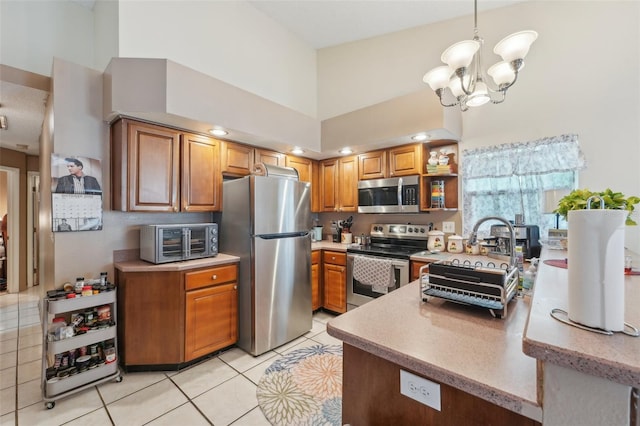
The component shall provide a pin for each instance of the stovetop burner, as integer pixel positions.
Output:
(398, 241)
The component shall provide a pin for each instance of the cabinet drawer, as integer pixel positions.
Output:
(211, 276)
(334, 257)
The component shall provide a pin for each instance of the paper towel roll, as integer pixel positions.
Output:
(596, 268)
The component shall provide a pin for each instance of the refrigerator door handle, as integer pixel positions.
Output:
(287, 235)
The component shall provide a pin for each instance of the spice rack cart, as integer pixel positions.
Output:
(57, 388)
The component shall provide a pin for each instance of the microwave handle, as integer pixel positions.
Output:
(399, 192)
(186, 242)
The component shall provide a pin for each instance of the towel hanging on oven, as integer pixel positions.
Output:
(376, 272)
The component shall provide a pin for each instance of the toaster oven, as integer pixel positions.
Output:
(174, 243)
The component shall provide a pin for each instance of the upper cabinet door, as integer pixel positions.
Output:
(328, 189)
(272, 158)
(405, 160)
(372, 165)
(236, 159)
(348, 186)
(146, 161)
(201, 179)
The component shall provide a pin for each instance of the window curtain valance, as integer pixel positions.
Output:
(548, 155)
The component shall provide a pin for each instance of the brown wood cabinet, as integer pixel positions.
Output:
(372, 165)
(201, 182)
(335, 281)
(415, 269)
(316, 296)
(158, 169)
(211, 320)
(375, 399)
(168, 318)
(145, 167)
(272, 158)
(150, 318)
(339, 184)
(236, 159)
(405, 160)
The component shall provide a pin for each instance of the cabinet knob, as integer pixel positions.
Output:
(333, 258)
(214, 277)
(175, 209)
(235, 287)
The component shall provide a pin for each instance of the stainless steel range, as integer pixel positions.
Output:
(382, 266)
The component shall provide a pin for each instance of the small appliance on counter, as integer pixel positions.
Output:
(490, 284)
(527, 236)
(175, 243)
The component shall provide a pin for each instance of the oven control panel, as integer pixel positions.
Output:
(389, 230)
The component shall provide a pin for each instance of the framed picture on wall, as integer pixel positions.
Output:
(76, 192)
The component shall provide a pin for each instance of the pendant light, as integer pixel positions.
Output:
(464, 75)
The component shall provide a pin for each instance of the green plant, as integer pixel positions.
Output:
(577, 200)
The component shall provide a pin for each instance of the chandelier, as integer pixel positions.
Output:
(466, 79)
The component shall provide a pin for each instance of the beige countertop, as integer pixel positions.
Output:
(462, 346)
(143, 266)
(329, 245)
(615, 358)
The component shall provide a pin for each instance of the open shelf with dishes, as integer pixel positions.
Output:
(439, 179)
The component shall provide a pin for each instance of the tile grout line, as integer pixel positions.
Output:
(189, 400)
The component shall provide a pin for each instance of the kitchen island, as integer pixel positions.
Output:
(518, 364)
(477, 359)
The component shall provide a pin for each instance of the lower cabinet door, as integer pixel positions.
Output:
(211, 320)
(335, 288)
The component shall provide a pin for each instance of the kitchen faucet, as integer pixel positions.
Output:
(474, 236)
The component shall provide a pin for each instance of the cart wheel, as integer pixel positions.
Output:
(50, 405)
(119, 379)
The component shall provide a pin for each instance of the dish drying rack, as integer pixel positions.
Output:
(487, 285)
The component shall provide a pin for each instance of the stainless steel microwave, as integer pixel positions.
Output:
(174, 243)
(392, 195)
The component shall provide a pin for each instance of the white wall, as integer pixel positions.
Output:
(33, 32)
(231, 41)
(582, 76)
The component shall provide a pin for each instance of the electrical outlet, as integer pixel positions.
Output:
(449, 227)
(422, 390)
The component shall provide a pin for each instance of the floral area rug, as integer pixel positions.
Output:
(304, 387)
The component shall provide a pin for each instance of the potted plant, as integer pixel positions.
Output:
(577, 200)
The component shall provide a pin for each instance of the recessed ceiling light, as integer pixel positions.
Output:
(297, 151)
(346, 151)
(218, 132)
(420, 137)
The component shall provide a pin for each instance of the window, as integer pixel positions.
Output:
(510, 179)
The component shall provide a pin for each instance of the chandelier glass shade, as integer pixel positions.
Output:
(464, 76)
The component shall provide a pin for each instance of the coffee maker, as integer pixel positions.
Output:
(527, 236)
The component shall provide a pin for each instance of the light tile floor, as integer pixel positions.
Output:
(220, 390)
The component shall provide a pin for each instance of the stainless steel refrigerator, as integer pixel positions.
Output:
(266, 221)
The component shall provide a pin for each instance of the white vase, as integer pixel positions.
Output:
(596, 268)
